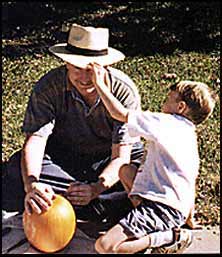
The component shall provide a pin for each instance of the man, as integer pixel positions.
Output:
(73, 146)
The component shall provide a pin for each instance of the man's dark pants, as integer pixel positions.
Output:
(111, 205)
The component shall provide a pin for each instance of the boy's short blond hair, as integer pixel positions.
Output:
(198, 96)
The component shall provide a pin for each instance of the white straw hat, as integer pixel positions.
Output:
(85, 45)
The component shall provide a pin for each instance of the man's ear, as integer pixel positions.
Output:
(181, 107)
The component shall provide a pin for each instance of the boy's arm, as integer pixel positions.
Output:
(114, 107)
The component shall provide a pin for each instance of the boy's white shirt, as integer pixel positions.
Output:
(172, 162)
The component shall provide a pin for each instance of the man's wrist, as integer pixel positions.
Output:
(30, 182)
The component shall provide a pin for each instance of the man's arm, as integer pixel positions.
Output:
(38, 196)
(31, 161)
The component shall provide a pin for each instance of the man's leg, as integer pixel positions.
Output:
(13, 189)
(12, 184)
(113, 204)
(104, 207)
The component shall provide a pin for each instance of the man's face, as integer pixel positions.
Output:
(81, 79)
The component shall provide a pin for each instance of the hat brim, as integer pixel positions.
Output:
(81, 61)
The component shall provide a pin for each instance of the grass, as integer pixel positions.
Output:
(20, 74)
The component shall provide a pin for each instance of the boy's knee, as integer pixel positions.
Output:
(127, 172)
(102, 245)
(122, 171)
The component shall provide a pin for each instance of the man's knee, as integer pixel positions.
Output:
(12, 185)
(13, 165)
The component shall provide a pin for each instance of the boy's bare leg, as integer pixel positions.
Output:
(127, 175)
(117, 241)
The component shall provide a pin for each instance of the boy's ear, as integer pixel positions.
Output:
(181, 107)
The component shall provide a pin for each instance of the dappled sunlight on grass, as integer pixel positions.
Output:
(19, 76)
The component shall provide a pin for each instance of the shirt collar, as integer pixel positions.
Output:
(185, 119)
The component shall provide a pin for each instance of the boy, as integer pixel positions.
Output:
(163, 190)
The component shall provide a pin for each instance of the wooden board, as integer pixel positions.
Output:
(15, 242)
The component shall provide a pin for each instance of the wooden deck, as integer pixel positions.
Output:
(14, 241)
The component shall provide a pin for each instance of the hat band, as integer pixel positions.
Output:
(86, 52)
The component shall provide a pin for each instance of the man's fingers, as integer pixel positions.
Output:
(46, 195)
(44, 202)
(79, 193)
(34, 206)
(79, 197)
(78, 200)
(73, 185)
(78, 188)
(50, 191)
(39, 200)
(28, 208)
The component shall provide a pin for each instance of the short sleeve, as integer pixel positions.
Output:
(145, 124)
(126, 92)
(39, 116)
(44, 104)
(120, 134)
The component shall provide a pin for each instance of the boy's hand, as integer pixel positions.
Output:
(99, 74)
(112, 104)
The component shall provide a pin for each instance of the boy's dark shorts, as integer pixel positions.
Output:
(150, 216)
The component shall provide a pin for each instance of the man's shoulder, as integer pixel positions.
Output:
(55, 78)
(57, 70)
(118, 75)
(121, 82)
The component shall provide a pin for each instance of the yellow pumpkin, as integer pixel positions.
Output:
(53, 229)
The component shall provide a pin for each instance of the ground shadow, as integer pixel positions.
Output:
(136, 28)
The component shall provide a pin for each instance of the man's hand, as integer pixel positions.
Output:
(38, 198)
(80, 193)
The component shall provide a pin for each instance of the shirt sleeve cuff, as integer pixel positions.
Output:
(132, 123)
(44, 131)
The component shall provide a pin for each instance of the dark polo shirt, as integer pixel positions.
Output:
(74, 129)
